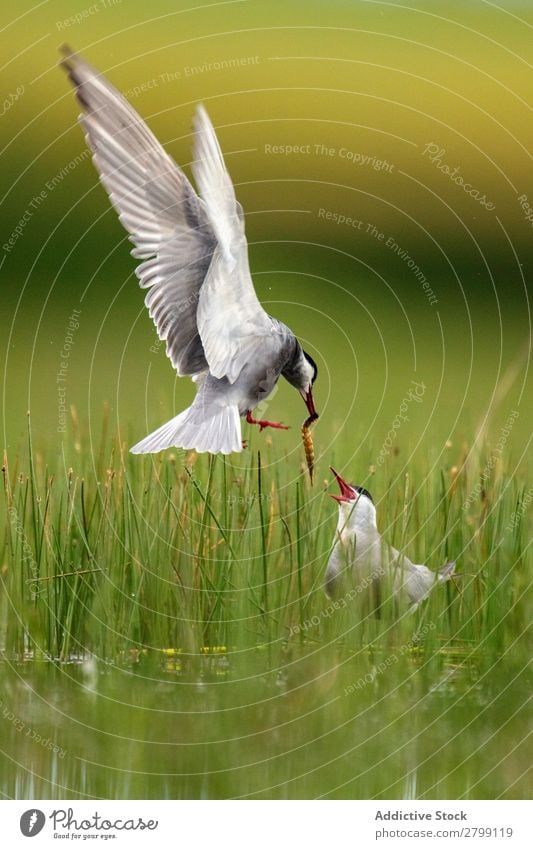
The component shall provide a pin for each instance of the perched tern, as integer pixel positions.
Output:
(195, 266)
(360, 549)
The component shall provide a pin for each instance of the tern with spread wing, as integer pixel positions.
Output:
(195, 266)
(360, 550)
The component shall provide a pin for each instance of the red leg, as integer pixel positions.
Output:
(263, 423)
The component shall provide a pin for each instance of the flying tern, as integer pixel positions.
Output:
(195, 266)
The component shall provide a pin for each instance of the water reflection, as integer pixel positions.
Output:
(215, 726)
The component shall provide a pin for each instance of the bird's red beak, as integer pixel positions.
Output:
(348, 493)
(310, 404)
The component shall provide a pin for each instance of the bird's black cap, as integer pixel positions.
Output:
(362, 491)
(312, 363)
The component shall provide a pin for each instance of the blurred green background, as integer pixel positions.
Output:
(346, 127)
(362, 89)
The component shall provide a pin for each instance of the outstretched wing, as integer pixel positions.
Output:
(201, 297)
(157, 205)
(231, 321)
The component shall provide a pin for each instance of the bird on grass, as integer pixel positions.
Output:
(195, 266)
(360, 549)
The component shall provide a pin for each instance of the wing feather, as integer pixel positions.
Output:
(193, 249)
(230, 317)
(158, 207)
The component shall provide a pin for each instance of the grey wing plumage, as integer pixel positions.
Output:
(157, 205)
(232, 323)
(201, 296)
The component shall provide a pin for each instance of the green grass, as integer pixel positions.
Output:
(163, 620)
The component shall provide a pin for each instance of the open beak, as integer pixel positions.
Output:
(348, 493)
(307, 395)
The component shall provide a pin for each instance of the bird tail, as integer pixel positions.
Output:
(216, 430)
(446, 572)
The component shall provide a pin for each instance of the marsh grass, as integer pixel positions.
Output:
(191, 587)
